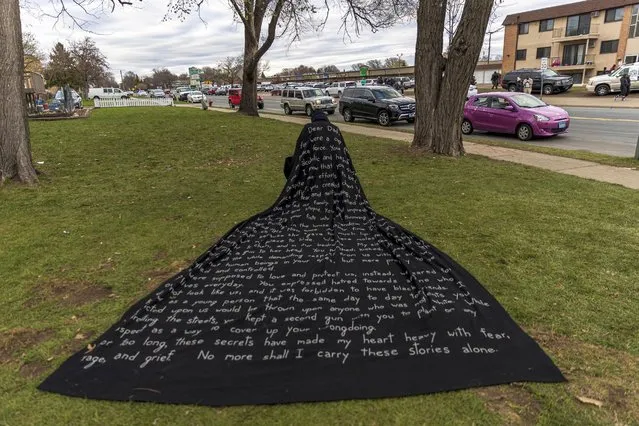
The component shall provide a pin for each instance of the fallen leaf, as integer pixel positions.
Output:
(80, 336)
(50, 358)
(587, 400)
(73, 317)
(90, 347)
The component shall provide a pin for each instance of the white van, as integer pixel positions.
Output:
(106, 93)
(602, 85)
(338, 87)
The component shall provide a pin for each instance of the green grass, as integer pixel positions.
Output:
(130, 196)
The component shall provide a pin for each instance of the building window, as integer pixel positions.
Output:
(610, 46)
(521, 55)
(543, 52)
(578, 25)
(546, 25)
(634, 28)
(523, 28)
(614, 15)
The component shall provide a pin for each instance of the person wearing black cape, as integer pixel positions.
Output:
(317, 298)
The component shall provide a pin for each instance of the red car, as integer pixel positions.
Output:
(235, 97)
(211, 91)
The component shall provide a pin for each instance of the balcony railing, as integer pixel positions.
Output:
(592, 30)
(586, 61)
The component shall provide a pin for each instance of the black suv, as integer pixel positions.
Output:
(553, 82)
(380, 103)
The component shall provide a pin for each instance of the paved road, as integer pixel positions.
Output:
(602, 130)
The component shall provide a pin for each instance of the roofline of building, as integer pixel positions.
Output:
(569, 9)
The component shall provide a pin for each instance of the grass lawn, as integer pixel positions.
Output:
(129, 197)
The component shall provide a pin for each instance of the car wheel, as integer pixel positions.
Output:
(330, 112)
(548, 89)
(309, 110)
(96, 97)
(348, 115)
(260, 106)
(123, 97)
(287, 110)
(383, 118)
(602, 90)
(512, 88)
(339, 94)
(411, 120)
(524, 132)
(466, 127)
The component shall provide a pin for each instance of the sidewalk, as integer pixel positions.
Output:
(592, 101)
(584, 169)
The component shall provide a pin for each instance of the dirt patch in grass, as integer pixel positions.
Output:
(67, 293)
(19, 339)
(31, 370)
(596, 372)
(513, 403)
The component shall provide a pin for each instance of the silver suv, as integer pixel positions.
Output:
(306, 99)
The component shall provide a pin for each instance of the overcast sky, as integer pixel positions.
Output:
(135, 38)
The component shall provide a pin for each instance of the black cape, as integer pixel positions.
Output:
(317, 298)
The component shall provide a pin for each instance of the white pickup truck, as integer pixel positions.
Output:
(106, 93)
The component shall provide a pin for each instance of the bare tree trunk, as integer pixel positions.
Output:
(15, 147)
(441, 84)
(248, 104)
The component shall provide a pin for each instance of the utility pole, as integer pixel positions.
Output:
(490, 39)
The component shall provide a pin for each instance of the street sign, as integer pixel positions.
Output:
(544, 64)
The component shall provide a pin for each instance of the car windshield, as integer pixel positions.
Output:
(386, 93)
(550, 73)
(312, 93)
(619, 72)
(527, 101)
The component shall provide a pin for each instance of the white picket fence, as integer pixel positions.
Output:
(132, 102)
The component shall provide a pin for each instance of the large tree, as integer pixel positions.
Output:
(15, 146)
(395, 62)
(129, 80)
(441, 81)
(33, 56)
(90, 64)
(162, 77)
(60, 69)
(230, 68)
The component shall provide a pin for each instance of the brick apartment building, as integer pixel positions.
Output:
(579, 39)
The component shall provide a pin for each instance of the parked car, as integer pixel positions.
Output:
(194, 96)
(106, 93)
(409, 84)
(610, 83)
(520, 114)
(211, 91)
(553, 82)
(306, 99)
(336, 89)
(179, 90)
(141, 92)
(221, 91)
(77, 99)
(380, 103)
(156, 93)
(472, 91)
(235, 97)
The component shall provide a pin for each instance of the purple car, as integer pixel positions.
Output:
(513, 113)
